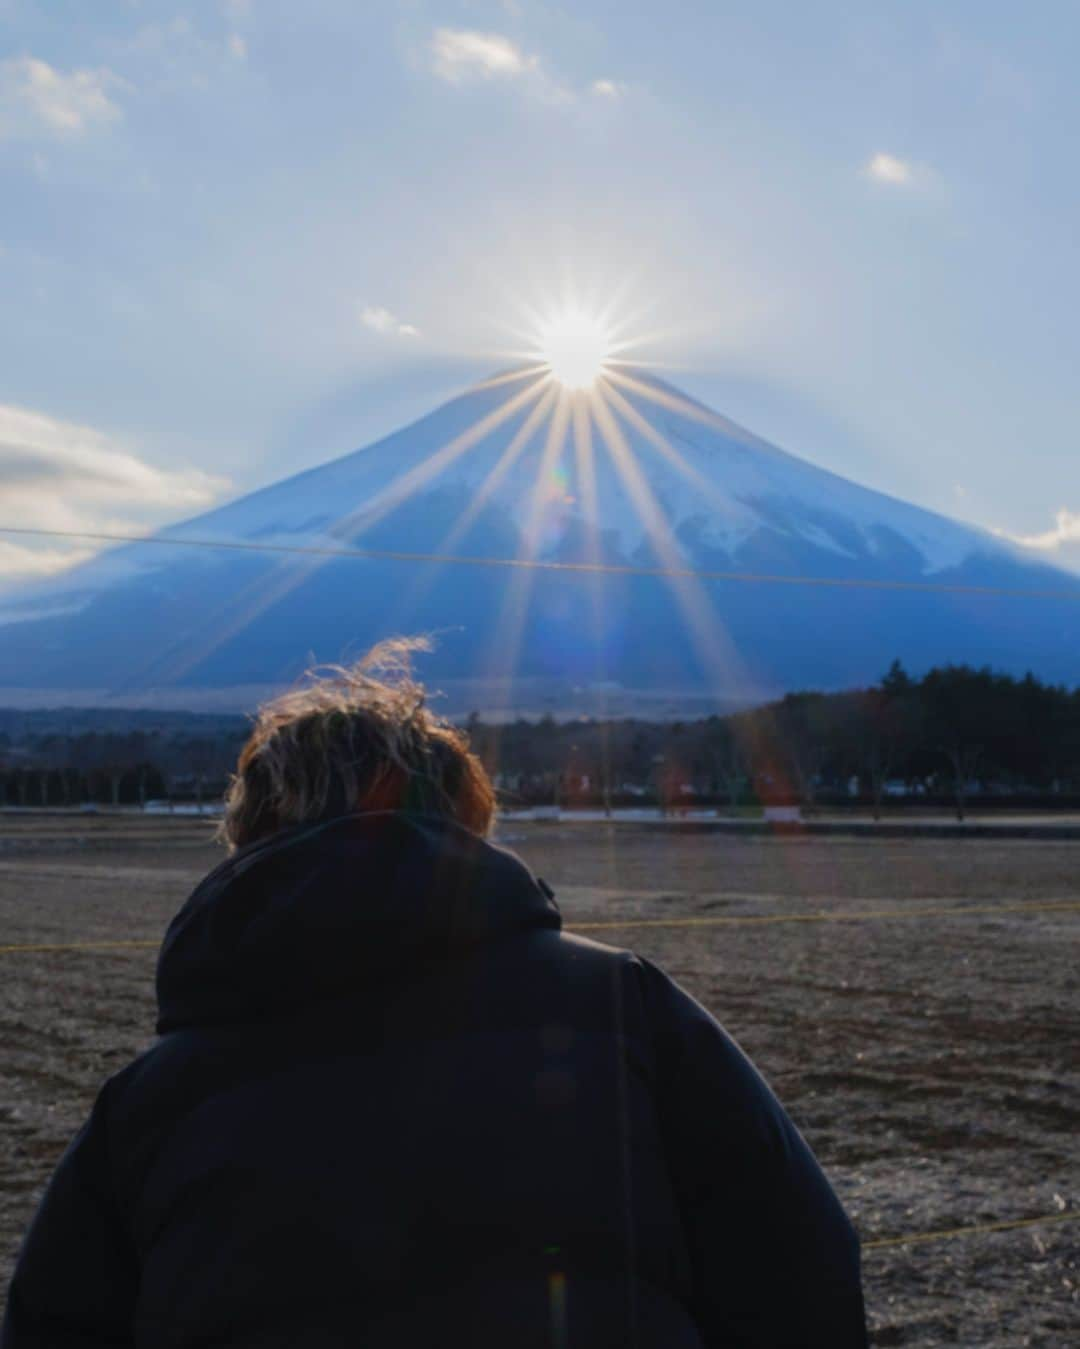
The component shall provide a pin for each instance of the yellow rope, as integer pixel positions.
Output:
(27, 947)
(729, 920)
(977, 1229)
(740, 920)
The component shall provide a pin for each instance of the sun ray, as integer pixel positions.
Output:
(373, 511)
(685, 407)
(637, 487)
(670, 454)
(514, 449)
(658, 441)
(508, 631)
(714, 648)
(509, 456)
(549, 462)
(511, 376)
(585, 460)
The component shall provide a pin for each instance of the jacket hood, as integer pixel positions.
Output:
(317, 912)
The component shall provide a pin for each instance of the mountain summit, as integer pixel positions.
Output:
(621, 549)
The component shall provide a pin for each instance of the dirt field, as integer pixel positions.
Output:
(927, 1049)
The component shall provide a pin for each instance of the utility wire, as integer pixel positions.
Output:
(541, 564)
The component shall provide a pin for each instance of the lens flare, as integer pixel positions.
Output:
(576, 346)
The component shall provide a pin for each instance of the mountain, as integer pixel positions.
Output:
(633, 477)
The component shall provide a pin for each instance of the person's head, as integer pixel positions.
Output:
(353, 739)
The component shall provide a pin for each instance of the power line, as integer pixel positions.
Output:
(543, 564)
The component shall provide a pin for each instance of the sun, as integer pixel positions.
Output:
(576, 346)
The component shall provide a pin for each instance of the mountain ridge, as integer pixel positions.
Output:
(636, 474)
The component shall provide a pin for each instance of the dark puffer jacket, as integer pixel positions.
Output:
(393, 1105)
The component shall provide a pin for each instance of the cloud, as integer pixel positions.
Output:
(608, 88)
(37, 99)
(463, 55)
(1059, 545)
(886, 168)
(381, 320)
(1066, 531)
(58, 475)
(179, 55)
(460, 54)
(22, 562)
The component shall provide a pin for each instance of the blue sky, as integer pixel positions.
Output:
(241, 237)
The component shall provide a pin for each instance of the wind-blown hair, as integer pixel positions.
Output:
(354, 738)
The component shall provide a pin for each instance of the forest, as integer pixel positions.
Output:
(950, 737)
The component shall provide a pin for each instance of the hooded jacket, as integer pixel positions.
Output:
(392, 1104)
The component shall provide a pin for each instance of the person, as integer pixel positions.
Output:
(392, 1103)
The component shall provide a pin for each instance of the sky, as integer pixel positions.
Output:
(241, 237)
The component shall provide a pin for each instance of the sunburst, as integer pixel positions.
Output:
(576, 347)
(580, 402)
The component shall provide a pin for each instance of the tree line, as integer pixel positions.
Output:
(58, 767)
(953, 734)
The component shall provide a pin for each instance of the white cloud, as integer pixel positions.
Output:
(178, 55)
(1059, 545)
(381, 320)
(36, 98)
(58, 475)
(608, 88)
(886, 168)
(1066, 531)
(22, 562)
(463, 55)
(460, 54)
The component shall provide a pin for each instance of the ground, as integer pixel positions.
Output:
(912, 1001)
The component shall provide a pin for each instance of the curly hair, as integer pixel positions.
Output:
(350, 739)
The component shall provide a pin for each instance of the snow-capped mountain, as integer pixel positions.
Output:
(634, 477)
